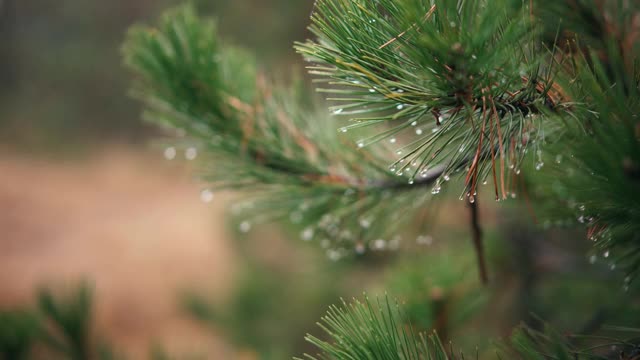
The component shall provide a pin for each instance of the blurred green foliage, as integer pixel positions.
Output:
(63, 83)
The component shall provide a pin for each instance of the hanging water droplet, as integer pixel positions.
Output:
(558, 159)
(418, 131)
(461, 148)
(426, 240)
(170, 153)
(474, 57)
(360, 144)
(206, 196)
(392, 140)
(414, 123)
(379, 244)
(517, 171)
(400, 106)
(399, 152)
(245, 226)
(191, 153)
(447, 177)
(452, 24)
(307, 234)
(485, 182)
(333, 255)
(365, 223)
(436, 188)
(472, 199)
(539, 165)
(343, 129)
(337, 111)
(372, 90)
(411, 181)
(606, 254)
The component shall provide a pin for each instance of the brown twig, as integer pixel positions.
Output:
(476, 232)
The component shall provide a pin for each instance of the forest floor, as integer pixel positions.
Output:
(130, 223)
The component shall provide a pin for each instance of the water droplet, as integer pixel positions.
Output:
(474, 57)
(606, 254)
(411, 181)
(170, 153)
(379, 244)
(365, 223)
(612, 267)
(461, 148)
(392, 140)
(436, 188)
(418, 131)
(399, 152)
(558, 159)
(360, 144)
(337, 111)
(414, 123)
(372, 90)
(513, 195)
(245, 226)
(343, 129)
(472, 199)
(539, 165)
(400, 106)
(206, 196)
(333, 255)
(447, 177)
(517, 171)
(307, 234)
(191, 153)
(424, 240)
(592, 259)
(452, 24)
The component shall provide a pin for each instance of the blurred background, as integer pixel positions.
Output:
(111, 247)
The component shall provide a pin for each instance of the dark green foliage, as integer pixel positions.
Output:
(19, 329)
(478, 90)
(378, 330)
(463, 73)
(367, 331)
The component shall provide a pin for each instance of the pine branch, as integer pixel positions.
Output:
(366, 330)
(270, 141)
(437, 71)
(477, 241)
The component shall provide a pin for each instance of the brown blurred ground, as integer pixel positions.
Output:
(132, 224)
